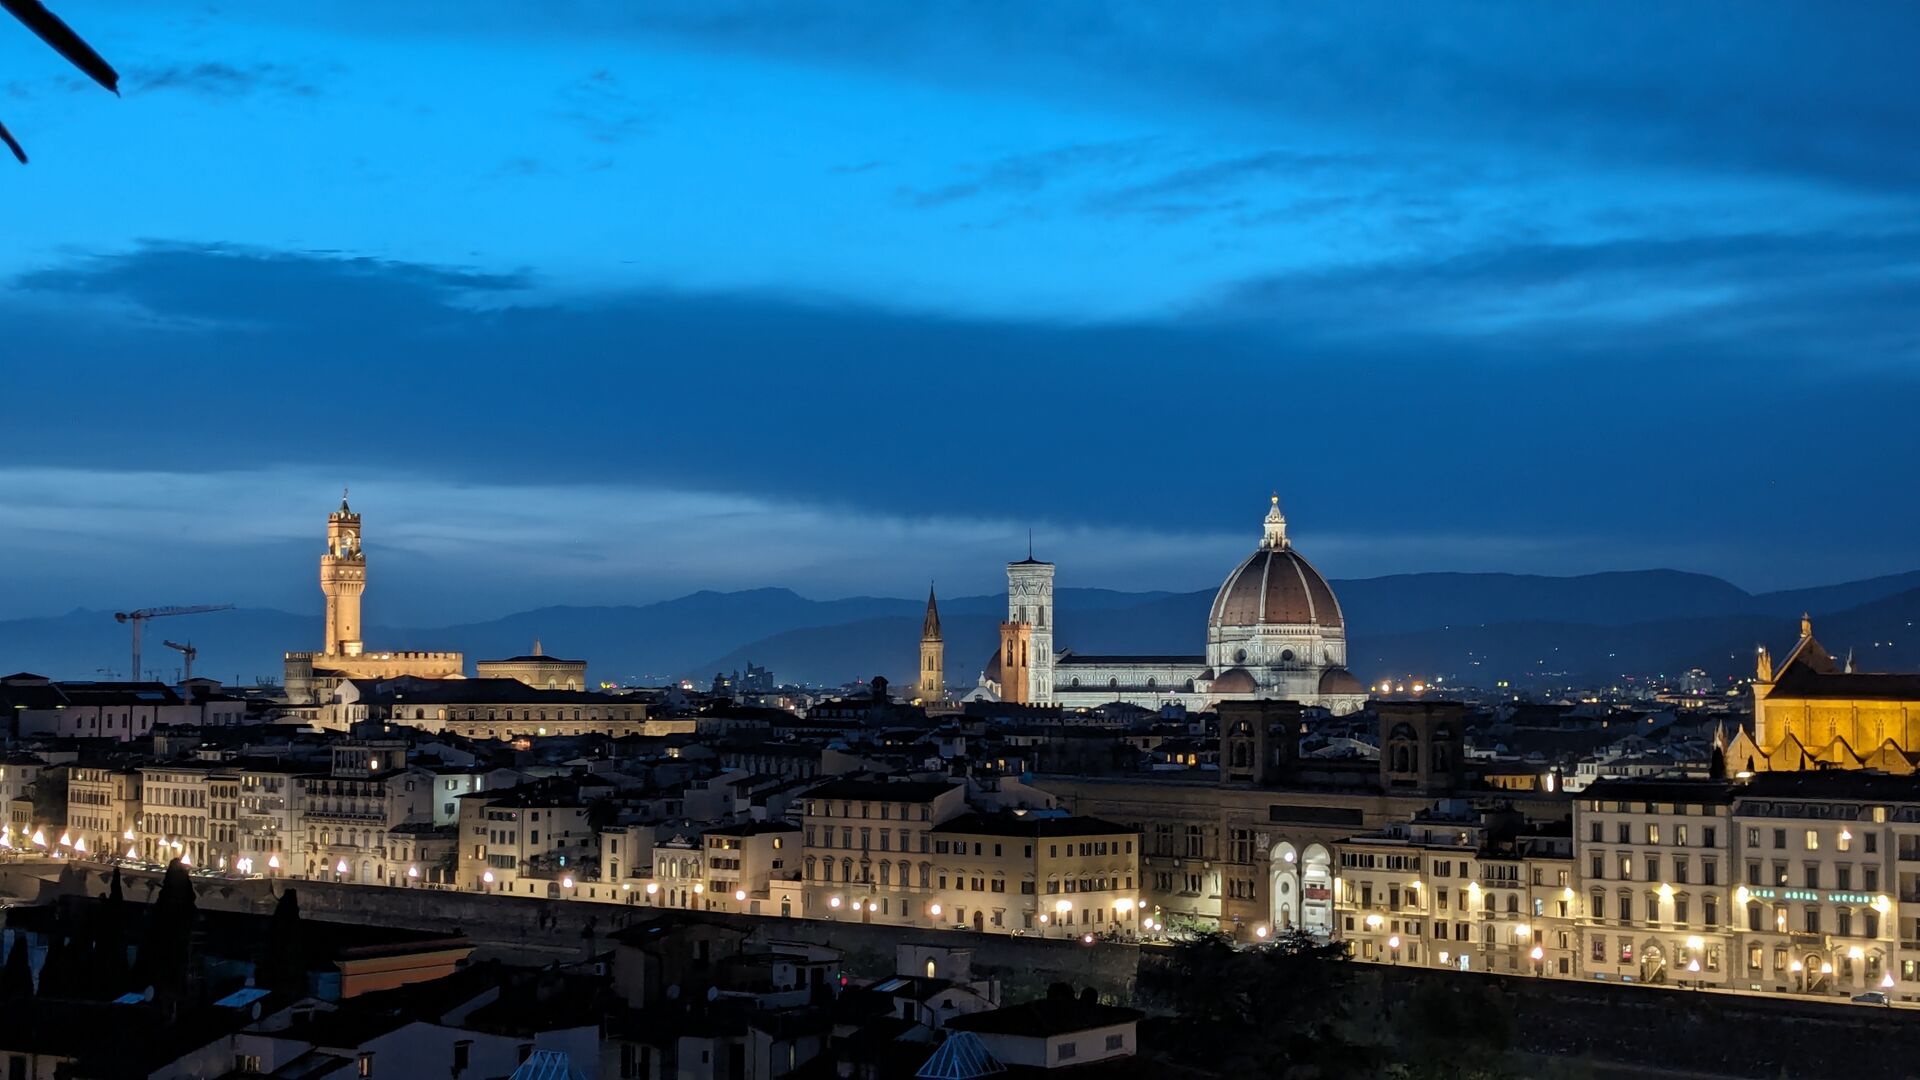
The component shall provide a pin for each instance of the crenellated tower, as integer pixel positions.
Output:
(343, 577)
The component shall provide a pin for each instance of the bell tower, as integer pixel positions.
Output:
(933, 656)
(1030, 603)
(343, 577)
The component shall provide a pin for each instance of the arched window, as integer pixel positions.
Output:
(1152, 682)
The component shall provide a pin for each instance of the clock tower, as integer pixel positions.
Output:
(343, 577)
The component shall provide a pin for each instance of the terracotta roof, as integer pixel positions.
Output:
(1275, 587)
(1340, 681)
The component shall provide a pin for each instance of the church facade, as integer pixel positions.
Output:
(1813, 712)
(1275, 631)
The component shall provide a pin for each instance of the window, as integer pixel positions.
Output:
(1599, 948)
(365, 1067)
(1709, 836)
(1593, 832)
(1653, 834)
(1812, 875)
(1709, 871)
(1844, 922)
(1813, 840)
(1599, 866)
(1753, 838)
(1779, 839)
(463, 1054)
(1116, 1042)
(1813, 918)
(1710, 909)
(1680, 835)
(1066, 1052)
(1625, 833)
(1680, 869)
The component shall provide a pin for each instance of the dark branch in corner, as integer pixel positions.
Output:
(49, 28)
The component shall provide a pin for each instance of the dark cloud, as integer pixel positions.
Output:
(1027, 174)
(223, 80)
(1384, 430)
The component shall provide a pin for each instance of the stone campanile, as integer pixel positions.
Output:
(933, 656)
(343, 577)
(1030, 602)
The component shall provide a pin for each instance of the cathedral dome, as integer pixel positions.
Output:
(1340, 681)
(1235, 681)
(1275, 587)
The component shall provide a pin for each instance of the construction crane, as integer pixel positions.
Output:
(187, 652)
(138, 618)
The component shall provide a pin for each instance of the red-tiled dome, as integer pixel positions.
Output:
(1275, 586)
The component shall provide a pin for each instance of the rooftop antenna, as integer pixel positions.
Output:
(1029, 544)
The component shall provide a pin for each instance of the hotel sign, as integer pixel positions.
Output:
(1811, 896)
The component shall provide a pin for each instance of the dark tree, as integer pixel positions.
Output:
(16, 975)
(110, 974)
(1254, 1009)
(282, 965)
(164, 951)
(1456, 1030)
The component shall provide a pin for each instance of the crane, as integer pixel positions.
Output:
(137, 618)
(187, 652)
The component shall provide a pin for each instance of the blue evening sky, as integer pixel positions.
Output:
(603, 302)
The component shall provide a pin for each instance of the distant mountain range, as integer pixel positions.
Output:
(1470, 628)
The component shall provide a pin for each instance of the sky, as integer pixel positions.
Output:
(599, 302)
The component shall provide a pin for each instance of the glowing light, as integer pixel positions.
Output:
(80, 845)
(1886, 981)
(128, 835)
(487, 877)
(1393, 942)
(1123, 904)
(1523, 930)
(340, 867)
(186, 859)
(1881, 904)
(1260, 931)
(413, 871)
(1795, 966)
(1741, 895)
(566, 882)
(133, 853)
(39, 838)
(273, 862)
(1087, 939)
(1374, 921)
(65, 840)
(1666, 891)
(652, 887)
(856, 905)
(1288, 856)
(740, 894)
(934, 910)
(1043, 920)
(1063, 906)
(1694, 943)
(1826, 967)
(1693, 965)
(1538, 953)
(1856, 953)
(834, 903)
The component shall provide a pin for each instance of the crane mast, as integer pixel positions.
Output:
(136, 619)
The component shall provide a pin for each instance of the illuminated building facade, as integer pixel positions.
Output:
(1812, 712)
(1275, 631)
(311, 677)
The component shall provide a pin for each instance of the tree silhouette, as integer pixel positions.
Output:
(48, 27)
(110, 973)
(164, 951)
(282, 963)
(16, 975)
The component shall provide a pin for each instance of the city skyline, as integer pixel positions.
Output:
(1474, 319)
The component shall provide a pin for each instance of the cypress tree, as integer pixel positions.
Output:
(110, 975)
(164, 950)
(282, 965)
(16, 975)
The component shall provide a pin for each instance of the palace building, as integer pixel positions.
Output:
(1813, 712)
(1275, 631)
(311, 677)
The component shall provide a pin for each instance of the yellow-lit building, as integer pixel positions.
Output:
(537, 670)
(1047, 875)
(310, 677)
(1813, 712)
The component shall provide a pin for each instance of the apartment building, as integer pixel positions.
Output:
(533, 839)
(1035, 874)
(104, 808)
(869, 848)
(1655, 862)
(746, 863)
